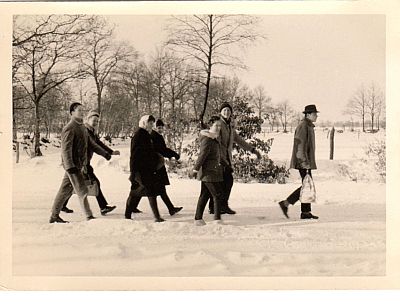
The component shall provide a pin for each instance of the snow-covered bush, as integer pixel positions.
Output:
(377, 151)
(246, 167)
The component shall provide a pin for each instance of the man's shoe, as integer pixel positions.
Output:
(107, 209)
(137, 211)
(66, 210)
(308, 216)
(159, 220)
(199, 222)
(284, 208)
(175, 210)
(90, 217)
(227, 210)
(57, 219)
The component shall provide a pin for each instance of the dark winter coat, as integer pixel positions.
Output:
(208, 162)
(303, 153)
(75, 143)
(144, 160)
(165, 152)
(106, 151)
(227, 137)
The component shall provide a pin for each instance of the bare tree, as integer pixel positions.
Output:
(357, 105)
(373, 105)
(207, 41)
(260, 100)
(46, 48)
(101, 55)
(284, 114)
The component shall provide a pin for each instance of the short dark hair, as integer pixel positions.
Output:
(159, 122)
(151, 119)
(73, 106)
(213, 119)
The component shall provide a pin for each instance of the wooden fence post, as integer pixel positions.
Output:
(17, 150)
(332, 143)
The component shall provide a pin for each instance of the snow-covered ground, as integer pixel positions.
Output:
(348, 239)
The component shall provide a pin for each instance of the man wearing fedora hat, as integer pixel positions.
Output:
(303, 159)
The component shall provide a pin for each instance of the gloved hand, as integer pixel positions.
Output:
(116, 153)
(177, 156)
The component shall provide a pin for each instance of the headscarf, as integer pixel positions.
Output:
(144, 119)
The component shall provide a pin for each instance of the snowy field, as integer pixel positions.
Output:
(347, 240)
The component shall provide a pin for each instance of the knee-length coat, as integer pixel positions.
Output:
(144, 161)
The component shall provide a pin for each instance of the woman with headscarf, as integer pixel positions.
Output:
(144, 161)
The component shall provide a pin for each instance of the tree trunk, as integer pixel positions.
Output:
(363, 122)
(37, 152)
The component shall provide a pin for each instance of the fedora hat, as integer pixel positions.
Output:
(310, 109)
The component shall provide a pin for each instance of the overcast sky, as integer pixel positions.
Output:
(306, 59)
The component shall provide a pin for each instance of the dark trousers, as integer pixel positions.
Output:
(101, 200)
(294, 197)
(227, 185)
(133, 201)
(213, 190)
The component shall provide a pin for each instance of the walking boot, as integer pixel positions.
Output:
(107, 209)
(308, 215)
(66, 210)
(175, 210)
(284, 206)
(57, 219)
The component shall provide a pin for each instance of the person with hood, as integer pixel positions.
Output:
(303, 159)
(227, 138)
(144, 165)
(209, 170)
(75, 143)
(92, 122)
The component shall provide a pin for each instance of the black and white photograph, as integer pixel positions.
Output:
(221, 144)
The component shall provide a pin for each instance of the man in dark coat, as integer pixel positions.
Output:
(74, 145)
(227, 137)
(91, 124)
(209, 170)
(144, 162)
(165, 152)
(303, 159)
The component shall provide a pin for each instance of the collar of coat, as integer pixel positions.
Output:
(76, 120)
(89, 127)
(208, 134)
(309, 123)
(231, 122)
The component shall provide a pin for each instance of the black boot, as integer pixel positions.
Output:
(284, 206)
(175, 210)
(308, 215)
(66, 210)
(107, 209)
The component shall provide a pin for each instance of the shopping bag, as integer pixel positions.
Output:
(307, 192)
(93, 187)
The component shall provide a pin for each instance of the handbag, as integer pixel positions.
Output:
(93, 187)
(307, 192)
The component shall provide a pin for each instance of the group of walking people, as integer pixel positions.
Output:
(148, 174)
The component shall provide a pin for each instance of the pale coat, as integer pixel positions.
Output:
(227, 137)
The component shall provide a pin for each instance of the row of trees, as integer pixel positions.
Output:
(367, 102)
(58, 59)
